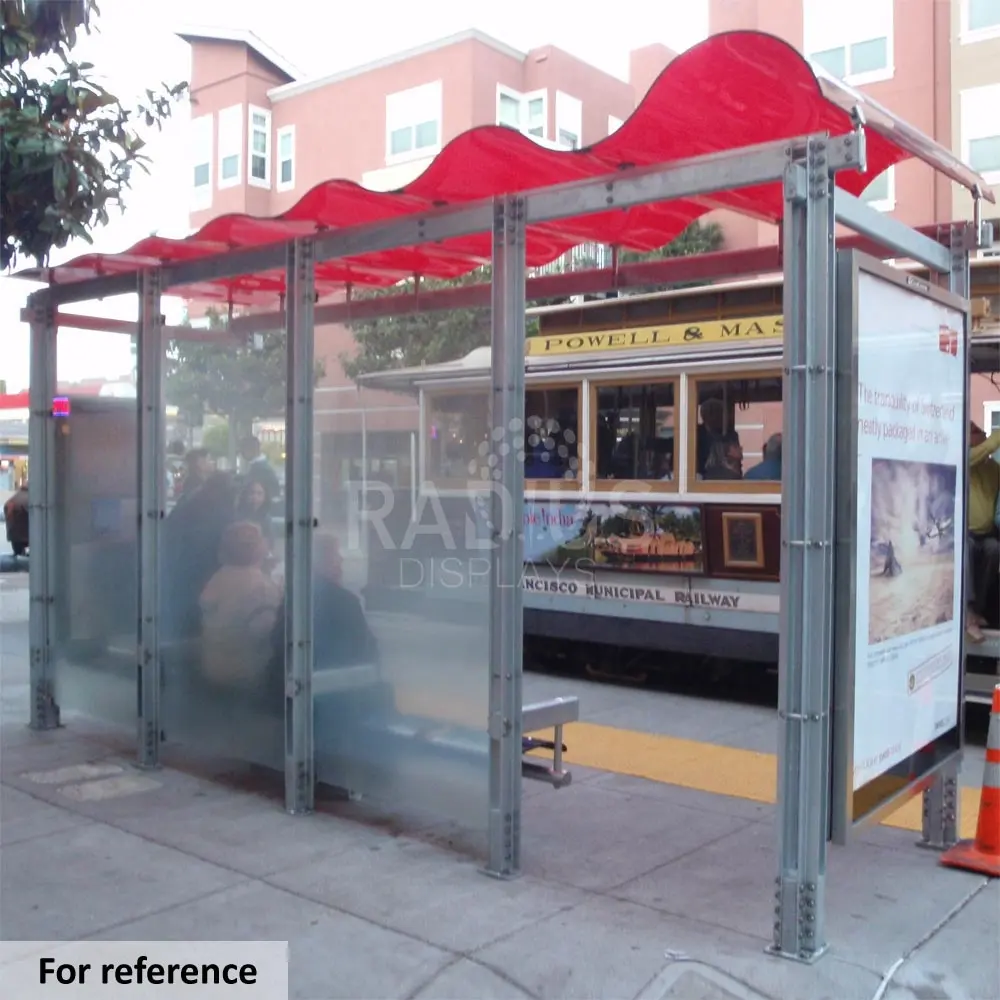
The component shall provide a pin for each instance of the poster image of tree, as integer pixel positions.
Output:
(654, 538)
(912, 551)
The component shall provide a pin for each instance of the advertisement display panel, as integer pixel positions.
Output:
(902, 447)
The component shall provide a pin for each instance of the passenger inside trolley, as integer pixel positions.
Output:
(984, 526)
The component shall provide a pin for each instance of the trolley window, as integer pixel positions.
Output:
(634, 434)
(552, 437)
(734, 442)
(457, 424)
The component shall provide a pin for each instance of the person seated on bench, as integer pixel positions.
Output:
(341, 635)
(238, 610)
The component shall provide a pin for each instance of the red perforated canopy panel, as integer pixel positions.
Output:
(733, 90)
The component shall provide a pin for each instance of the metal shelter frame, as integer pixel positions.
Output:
(806, 168)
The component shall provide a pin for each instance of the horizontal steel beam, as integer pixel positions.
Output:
(706, 267)
(729, 171)
(900, 239)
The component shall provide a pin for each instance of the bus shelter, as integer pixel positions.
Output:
(740, 122)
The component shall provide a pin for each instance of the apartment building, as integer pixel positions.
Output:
(263, 135)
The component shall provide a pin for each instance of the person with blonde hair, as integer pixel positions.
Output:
(239, 608)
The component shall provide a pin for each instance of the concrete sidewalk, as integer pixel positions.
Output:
(632, 889)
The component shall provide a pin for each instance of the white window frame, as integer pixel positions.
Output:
(990, 408)
(524, 103)
(569, 118)
(231, 144)
(870, 19)
(888, 203)
(401, 112)
(265, 181)
(981, 104)
(614, 124)
(202, 141)
(282, 132)
(967, 37)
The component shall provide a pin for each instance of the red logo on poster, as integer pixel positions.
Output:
(948, 341)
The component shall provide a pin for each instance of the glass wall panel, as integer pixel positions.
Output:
(222, 542)
(401, 640)
(94, 525)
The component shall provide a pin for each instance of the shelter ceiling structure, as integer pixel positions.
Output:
(737, 89)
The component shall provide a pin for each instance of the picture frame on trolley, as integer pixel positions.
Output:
(743, 540)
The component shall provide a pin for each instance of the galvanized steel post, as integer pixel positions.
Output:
(41, 501)
(507, 527)
(300, 301)
(941, 819)
(150, 465)
(807, 556)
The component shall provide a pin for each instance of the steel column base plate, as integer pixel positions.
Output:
(802, 957)
(499, 876)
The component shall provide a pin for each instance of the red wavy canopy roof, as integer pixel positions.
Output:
(732, 90)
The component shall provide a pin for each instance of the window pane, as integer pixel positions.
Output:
(635, 432)
(260, 142)
(539, 131)
(536, 113)
(832, 60)
(984, 14)
(738, 435)
(286, 171)
(568, 139)
(259, 121)
(458, 424)
(285, 145)
(201, 175)
(258, 167)
(870, 56)
(551, 445)
(984, 154)
(401, 140)
(510, 111)
(878, 190)
(427, 134)
(230, 167)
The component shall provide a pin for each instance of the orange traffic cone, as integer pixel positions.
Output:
(982, 855)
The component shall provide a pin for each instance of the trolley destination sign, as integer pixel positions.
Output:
(726, 331)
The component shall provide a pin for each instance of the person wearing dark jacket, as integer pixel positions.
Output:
(258, 470)
(192, 533)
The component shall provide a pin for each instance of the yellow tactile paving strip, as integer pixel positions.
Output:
(702, 767)
(708, 767)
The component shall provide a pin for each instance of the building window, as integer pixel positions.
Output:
(981, 131)
(201, 161)
(735, 428)
(980, 20)
(525, 112)
(259, 152)
(286, 158)
(230, 145)
(614, 124)
(853, 44)
(635, 434)
(881, 192)
(569, 121)
(991, 417)
(413, 122)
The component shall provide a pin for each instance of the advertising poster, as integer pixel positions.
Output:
(656, 538)
(910, 518)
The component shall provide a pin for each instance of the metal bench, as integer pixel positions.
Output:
(547, 715)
